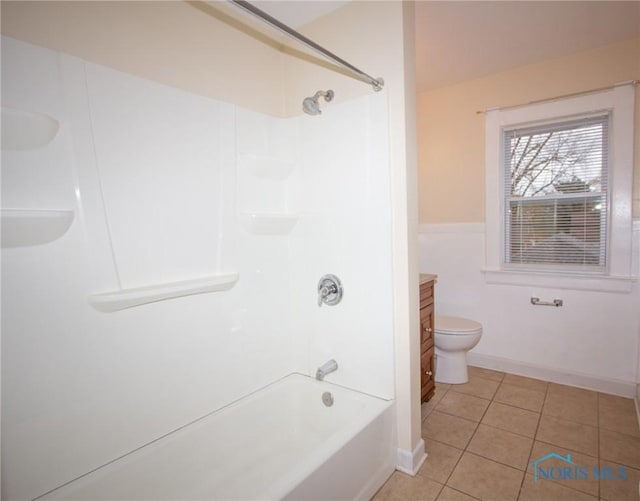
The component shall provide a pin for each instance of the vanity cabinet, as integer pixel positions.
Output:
(427, 348)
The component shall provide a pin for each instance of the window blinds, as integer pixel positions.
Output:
(556, 204)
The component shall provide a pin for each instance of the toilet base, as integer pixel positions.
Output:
(451, 367)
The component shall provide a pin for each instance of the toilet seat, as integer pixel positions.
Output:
(456, 326)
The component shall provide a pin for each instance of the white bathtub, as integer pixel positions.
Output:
(281, 442)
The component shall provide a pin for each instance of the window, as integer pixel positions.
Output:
(556, 194)
(559, 178)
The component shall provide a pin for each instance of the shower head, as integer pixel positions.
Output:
(310, 104)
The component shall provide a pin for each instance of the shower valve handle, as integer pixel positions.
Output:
(329, 290)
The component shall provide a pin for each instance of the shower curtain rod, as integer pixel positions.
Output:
(377, 83)
(555, 98)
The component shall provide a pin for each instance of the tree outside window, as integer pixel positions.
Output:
(556, 190)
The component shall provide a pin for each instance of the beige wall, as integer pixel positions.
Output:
(451, 133)
(343, 33)
(191, 46)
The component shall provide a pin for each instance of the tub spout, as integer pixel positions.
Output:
(327, 368)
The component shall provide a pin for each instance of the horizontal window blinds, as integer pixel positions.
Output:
(556, 184)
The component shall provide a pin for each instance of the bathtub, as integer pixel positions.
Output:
(281, 442)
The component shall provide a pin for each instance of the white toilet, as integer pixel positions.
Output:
(454, 337)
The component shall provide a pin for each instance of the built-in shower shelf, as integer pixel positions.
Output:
(126, 298)
(27, 130)
(25, 227)
(268, 223)
(265, 166)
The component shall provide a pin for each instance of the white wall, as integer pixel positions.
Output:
(345, 229)
(592, 341)
(150, 173)
(210, 50)
(159, 181)
(378, 37)
(637, 396)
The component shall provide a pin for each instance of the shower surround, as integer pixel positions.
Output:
(187, 276)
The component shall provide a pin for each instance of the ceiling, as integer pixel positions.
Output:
(296, 13)
(463, 40)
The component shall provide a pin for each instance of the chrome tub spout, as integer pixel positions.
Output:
(327, 368)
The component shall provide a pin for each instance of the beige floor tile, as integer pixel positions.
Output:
(513, 419)
(550, 490)
(462, 405)
(401, 487)
(623, 485)
(478, 387)
(525, 382)
(618, 414)
(437, 396)
(616, 402)
(589, 485)
(596, 429)
(485, 479)
(572, 407)
(428, 407)
(449, 494)
(485, 374)
(451, 430)
(443, 386)
(519, 397)
(571, 391)
(441, 460)
(622, 449)
(568, 434)
(501, 446)
(425, 410)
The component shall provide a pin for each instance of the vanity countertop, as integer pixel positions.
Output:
(427, 277)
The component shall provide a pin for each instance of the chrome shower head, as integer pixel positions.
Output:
(311, 106)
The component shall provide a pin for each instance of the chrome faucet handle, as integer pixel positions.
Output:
(325, 291)
(329, 290)
(322, 294)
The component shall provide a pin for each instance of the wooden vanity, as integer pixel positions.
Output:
(427, 348)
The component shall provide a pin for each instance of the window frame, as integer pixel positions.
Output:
(618, 102)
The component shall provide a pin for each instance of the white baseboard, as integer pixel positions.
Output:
(587, 381)
(410, 462)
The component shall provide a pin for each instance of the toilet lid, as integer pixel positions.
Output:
(456, 325)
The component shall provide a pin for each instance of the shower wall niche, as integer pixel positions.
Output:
(267, 174)
(187, 275)
(37, 205)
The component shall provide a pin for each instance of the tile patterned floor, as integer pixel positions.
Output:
(482, 437)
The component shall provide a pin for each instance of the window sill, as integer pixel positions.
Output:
(598, 283)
